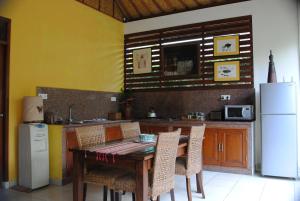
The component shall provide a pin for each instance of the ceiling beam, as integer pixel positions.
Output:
(123, 10)
(170, 5)
(197, 2)
(183, 4)
(99, 5)
(146, 7)
(135, 8)
(158, 6)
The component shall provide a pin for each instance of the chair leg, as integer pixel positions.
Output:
(188, 188)
(84, 191)
(105, 193)
(199, 178)
(158, 198)
(112, 195)
(172, 194)
(133, 196)
(118, 196)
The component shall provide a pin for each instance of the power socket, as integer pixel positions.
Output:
(44, 96)
(225, 97)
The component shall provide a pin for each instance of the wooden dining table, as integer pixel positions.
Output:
(141, 161)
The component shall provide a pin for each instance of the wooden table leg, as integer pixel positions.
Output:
(198, 183)
(78, 166)
(141, 181)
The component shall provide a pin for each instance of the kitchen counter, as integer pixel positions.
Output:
(106, 123)
(188, 122)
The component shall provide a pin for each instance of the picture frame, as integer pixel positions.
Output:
(227, 71)
(226, 45)
(142, 61)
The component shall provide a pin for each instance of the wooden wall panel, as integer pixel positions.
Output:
(202, 35)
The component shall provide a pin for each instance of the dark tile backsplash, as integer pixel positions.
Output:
(167, 104)
(86, 104)
(173, 104)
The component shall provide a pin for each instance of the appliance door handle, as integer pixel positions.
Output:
(1, 115)
(243, 112)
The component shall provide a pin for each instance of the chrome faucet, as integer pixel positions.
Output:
(70, 113)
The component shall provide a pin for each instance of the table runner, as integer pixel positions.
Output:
(121, 148)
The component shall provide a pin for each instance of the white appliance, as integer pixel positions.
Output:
(238, 112)
(279, 129)
(33, 155)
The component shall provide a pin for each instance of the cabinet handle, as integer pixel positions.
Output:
(222, 147)
(219, 147)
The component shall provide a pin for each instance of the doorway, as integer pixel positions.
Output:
(4, 70)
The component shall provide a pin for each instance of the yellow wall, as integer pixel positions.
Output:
(59, 43)
(55, 152)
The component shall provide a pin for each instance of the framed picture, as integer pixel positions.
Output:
(227, 71)
(142, 61)
(226, 45)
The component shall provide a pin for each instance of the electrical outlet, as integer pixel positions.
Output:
(225, 97)
(113, 99)
(44, 96)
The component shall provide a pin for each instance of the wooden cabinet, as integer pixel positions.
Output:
(225, 147)
(210, 147)
(113, 133)
(155, 129)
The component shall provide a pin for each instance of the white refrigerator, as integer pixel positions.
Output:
(279, 129)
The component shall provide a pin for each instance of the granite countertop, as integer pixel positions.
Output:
(192, 122)
(106, 122)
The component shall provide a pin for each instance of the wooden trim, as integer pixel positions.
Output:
(6, 107)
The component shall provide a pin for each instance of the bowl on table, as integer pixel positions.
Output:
(147, 138)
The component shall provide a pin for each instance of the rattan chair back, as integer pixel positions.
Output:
(194, 154)
(90, 135)
(164, 162)
(130, 129)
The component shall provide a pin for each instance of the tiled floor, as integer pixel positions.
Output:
(218, 187)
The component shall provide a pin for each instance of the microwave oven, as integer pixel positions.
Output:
(239, 112)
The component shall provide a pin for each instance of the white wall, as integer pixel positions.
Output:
(275, 26)
(299, 90)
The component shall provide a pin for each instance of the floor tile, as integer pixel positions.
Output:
(218, 187)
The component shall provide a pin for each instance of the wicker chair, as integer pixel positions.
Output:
(130, 129)
(192, 164)
(90, 136)
(161, 180)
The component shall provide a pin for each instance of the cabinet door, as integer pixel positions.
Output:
(210, 147)
(113, 133)
(234, 147)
